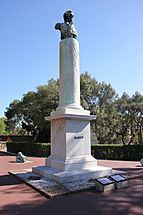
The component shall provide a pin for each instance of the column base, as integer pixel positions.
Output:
(77, 110)
(70, 176)
(72, 163)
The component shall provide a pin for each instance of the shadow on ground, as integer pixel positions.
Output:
(124, 201)
(9, 180)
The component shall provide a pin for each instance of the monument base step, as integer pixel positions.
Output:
(74, 175)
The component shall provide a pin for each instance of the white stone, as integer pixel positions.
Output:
(104, 188)
(70, 110)
(69, 74)
(119, 180)
(121, 184)
(70, 158)
(70, 137)
(74, 175)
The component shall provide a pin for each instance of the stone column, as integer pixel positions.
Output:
(69, 74)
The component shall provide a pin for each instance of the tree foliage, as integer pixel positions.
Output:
(2, 125)
(27, 115)
(118, 119)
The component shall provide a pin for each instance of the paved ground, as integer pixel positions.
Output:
(18, 198)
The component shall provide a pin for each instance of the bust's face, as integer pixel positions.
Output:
(68, 16)
(71, 15)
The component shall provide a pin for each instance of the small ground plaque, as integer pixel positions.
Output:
(120, 181)
(104, 184)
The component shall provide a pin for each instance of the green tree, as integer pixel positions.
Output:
(13, 115)
(117, 119)
(2, 125)
(105, 112)
(99, 99)
(29, 112)
(130, 118)
(88, 91)
(124, 126)
(136, 110)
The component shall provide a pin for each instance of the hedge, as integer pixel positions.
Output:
(30, 149)
(118, 152)
(101, 151)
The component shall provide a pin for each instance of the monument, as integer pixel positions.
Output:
(70, 158)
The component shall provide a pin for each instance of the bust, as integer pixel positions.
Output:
(67, 28)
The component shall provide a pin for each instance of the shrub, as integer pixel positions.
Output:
(101, 151)
(30, 149)
(117, 152)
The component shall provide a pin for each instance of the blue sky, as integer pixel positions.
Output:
(110, 37)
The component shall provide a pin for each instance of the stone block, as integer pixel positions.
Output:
(71, 175)
(104, 184)
(120, 181)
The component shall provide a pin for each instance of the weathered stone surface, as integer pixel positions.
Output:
(69, 74)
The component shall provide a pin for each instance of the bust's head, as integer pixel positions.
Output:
(68, 16)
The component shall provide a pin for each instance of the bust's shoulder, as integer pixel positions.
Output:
(58, 26)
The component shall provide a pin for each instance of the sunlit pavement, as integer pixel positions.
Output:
(18, 198)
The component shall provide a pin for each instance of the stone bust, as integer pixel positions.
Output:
(67, 28)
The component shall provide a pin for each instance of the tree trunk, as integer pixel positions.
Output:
(124, 143)
(140, 135)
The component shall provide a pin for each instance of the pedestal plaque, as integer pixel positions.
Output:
(104, 184)
(120, 181)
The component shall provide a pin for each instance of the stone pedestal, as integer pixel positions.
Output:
(70, 137)
(70, 158)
